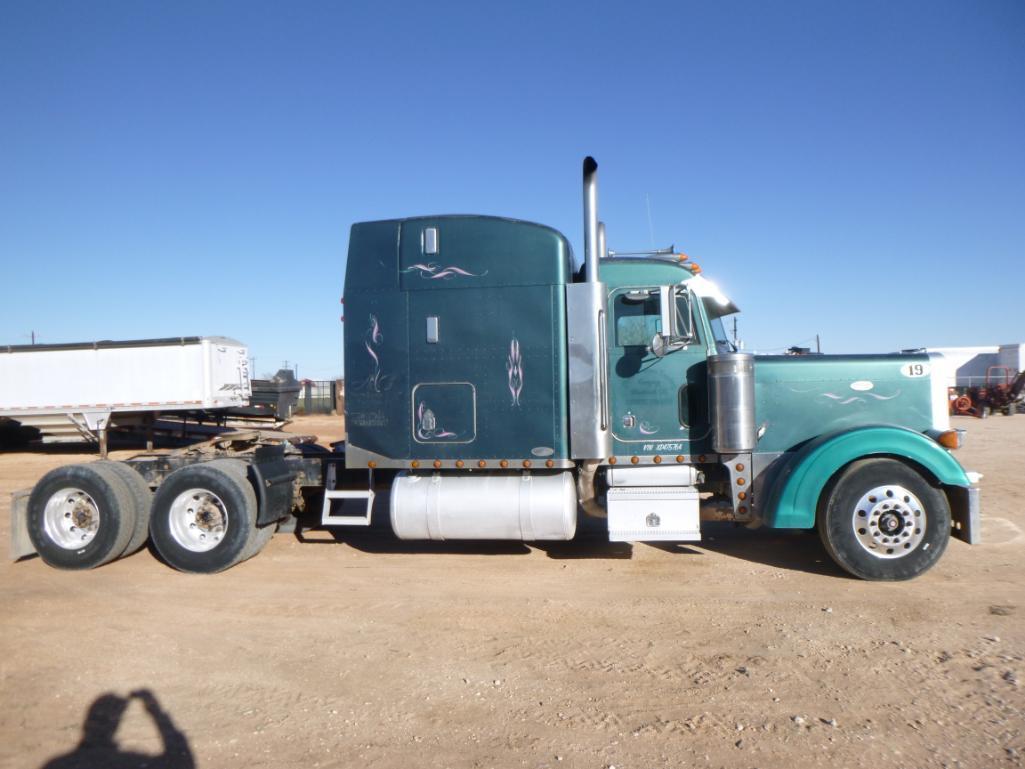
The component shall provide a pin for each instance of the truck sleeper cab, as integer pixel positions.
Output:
(636, 393)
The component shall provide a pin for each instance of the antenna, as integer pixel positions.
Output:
(651, 227)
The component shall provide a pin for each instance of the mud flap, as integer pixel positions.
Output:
(964, 514)
(21, 544)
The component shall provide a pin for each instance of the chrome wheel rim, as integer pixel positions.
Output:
(889, 522)
(71, 518)
(198, 520)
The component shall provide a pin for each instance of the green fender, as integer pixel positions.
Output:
(794, 494)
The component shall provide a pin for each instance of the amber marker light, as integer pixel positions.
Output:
(741, 509)
(695, 268)
(741, 481)
(682, 257)
(459, 463)
(612, 460)
(482, 463)
(658, 460)
(504, 463)
(951, 439)
(550, 463)
(634, 460)
(741, 495)
(526, 463)
(740, 468)
(414, 464)
(437, 464)
(679, 459)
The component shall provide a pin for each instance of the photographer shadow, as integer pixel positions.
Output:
(99, 750)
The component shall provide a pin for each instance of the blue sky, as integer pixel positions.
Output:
(851, 169)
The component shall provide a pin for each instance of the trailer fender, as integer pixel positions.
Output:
(794, 496)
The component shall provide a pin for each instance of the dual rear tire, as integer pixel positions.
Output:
(202, 519)
(82, 516)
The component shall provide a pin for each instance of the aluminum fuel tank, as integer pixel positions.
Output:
(525, 507)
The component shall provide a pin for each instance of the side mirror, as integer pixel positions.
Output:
(667, 310)
(676, 331)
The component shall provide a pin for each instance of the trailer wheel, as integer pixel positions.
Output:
(80, 516)
(142, 499)
(203, 517)
(881, 520)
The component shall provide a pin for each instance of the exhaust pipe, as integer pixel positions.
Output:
(591, 236)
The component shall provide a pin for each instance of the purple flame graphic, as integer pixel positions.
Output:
(426, 425)
(376, 380)
(514, 368)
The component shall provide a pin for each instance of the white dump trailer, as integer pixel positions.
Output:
(78, 391)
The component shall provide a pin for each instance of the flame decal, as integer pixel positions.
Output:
(434, 271)
(883, 397)
(647, 428)
(376, 380)
(514, 369)
(427, 427)
(843, 401)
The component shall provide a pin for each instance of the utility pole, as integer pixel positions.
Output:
(33, 337)
(818, 347)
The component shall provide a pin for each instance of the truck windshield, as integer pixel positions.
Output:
(722, 341)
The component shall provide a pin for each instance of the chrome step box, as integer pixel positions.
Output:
(654, 513)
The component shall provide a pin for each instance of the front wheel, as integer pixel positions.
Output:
(881, 520)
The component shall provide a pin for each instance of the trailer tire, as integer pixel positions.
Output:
(80, 516)
(142, 497)
(203, 517)
(882, 520)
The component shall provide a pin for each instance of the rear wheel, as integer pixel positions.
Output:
(204, 517)
(881, 520)
(260, 535)
(80, 516)
(142, 499)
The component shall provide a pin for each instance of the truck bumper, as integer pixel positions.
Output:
(964, 513)
(21, 545)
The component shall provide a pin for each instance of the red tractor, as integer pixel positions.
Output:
(1002, 392)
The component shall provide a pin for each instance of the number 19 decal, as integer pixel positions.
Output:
(915, 370)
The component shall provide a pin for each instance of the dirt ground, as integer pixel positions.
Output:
(749, 649)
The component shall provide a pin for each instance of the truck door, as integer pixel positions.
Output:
(657, 403)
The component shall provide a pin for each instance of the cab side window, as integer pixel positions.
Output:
(637, 318)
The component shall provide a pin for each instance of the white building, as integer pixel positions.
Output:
(968, 365)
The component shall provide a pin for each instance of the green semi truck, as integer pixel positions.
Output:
(496, 391)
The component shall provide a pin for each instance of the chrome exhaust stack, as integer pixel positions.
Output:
(590, 437)
(592, 234)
